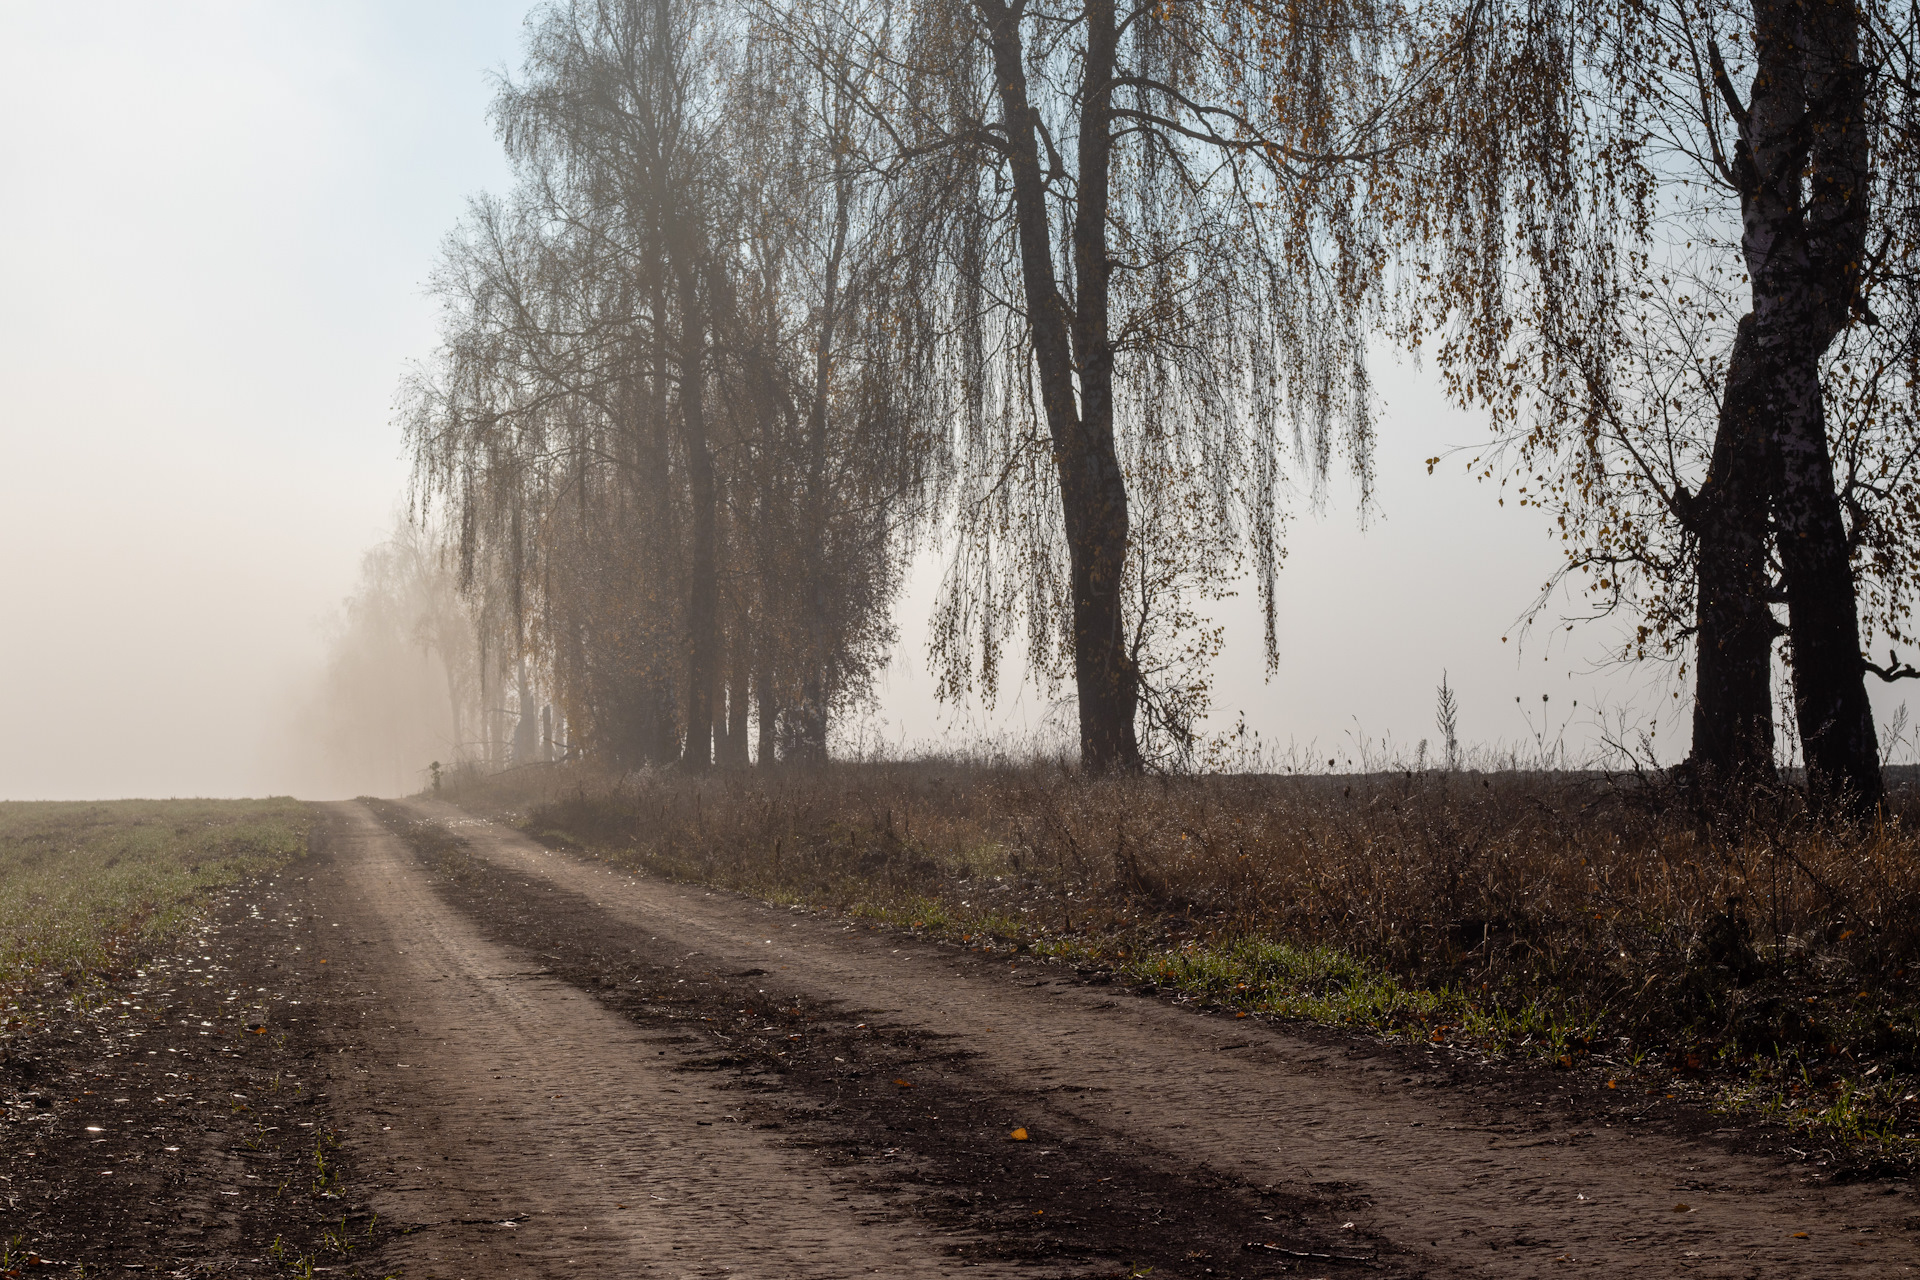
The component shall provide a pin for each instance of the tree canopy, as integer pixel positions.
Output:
(787, 291)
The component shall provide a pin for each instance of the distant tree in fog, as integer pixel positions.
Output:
(667, 420)
(401, 684)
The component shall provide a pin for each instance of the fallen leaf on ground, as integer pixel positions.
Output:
(904, 1084)
(1799, 1235)
(1018, 1135)
(1681, 1208)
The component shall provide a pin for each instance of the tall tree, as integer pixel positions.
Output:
(1652, 238)
(1800, 167)
(826, 355)
(619, 415)
(1146, 265)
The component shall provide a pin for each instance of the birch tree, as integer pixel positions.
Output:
(1670, 246)
(1152, 277)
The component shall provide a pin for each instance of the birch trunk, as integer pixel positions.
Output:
(702, 570)
(1802, 169)
(1093, 493)
(1733, 705)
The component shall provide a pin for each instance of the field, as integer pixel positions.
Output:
(1760, 964)
(128, 970)
(86, 887)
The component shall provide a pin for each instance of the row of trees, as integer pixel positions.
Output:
(676, 418)
(786, 289)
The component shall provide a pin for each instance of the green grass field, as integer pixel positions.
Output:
(84, 887)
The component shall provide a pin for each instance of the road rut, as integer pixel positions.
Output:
(1452, 1186)
(534, 1133)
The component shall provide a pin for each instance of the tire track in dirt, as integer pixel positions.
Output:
(531, 1132)
(906, 1111)
(1477, 1192)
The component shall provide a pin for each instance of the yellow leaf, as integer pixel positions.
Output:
(1018, 1135)
(1799, 1235)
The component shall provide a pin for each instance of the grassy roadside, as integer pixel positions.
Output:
(84, 887)
(1764, 967)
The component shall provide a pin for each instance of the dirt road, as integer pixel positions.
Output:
(577, 1068)
(533, 1132)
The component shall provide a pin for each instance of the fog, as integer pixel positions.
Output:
(219, 220)
(218, 217)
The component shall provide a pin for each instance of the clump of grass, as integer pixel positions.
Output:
(1319, 983)
(1870, 1118)
(1566, 916)
(84, 886)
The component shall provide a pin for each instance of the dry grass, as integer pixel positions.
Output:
(1583, 919)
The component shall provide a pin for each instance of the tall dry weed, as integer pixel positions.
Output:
(1606, 897)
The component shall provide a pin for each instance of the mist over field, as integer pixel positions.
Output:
(794, 637)
(235, 209)
(213, 289)
(217, 284)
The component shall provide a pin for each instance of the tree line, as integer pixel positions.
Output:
(786, 291)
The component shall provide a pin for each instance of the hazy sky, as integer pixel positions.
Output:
(217, 222)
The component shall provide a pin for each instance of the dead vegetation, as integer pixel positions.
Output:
(1764, 962)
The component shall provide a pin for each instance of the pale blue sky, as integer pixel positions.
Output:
(216, 224)
(217, 218)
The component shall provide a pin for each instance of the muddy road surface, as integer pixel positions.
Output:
(545, 1066)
